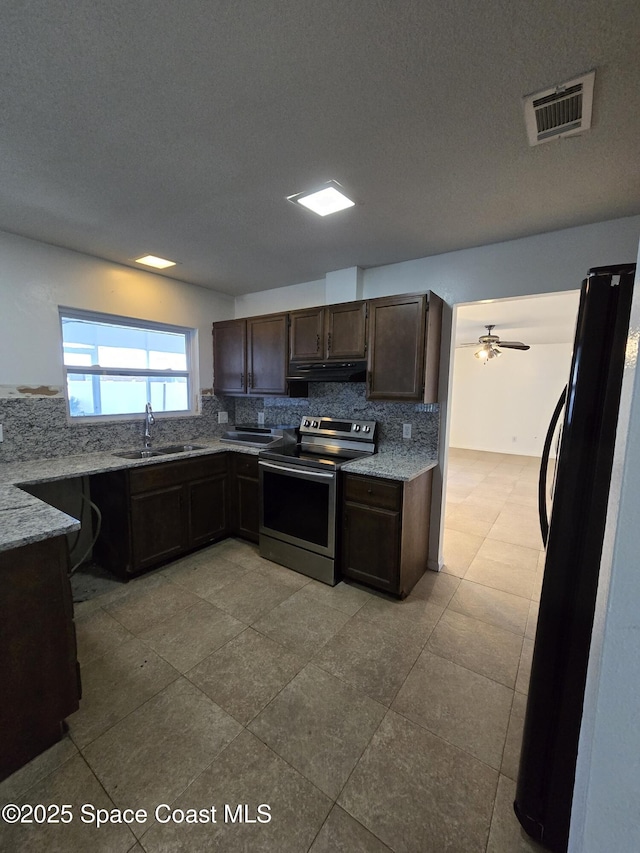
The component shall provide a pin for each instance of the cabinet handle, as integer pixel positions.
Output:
(317, 343)
(329, 342)
(250, 380)
(242, 380)
(369, 491)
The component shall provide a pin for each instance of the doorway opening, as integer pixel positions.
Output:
(499, 410)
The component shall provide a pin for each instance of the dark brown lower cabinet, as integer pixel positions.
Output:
(385, 531)
(39, 674)
(155, 513)
(207, 504)
(245, 496)
(157, 530)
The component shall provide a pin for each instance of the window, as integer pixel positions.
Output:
(114, 365)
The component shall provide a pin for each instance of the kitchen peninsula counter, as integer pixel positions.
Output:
(25, 519)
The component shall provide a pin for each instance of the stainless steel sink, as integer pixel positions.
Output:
(137, 454)
(179, 448)
(249, 439)
(158, 451)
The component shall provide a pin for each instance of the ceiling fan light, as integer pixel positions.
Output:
(482, 354)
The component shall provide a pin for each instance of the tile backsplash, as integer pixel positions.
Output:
(36, 427)
(348, 400)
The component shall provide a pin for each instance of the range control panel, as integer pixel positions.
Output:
(338, 428)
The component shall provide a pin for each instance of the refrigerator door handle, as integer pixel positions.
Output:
(542, 481)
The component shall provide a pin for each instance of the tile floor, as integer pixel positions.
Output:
(365, 723)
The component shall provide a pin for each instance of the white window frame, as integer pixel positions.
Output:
(191, 373)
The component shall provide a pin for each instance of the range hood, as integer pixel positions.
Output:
(328, 371)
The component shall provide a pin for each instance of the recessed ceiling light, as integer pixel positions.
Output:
(156, 263)
(329, 198)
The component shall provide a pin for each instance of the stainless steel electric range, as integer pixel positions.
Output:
(299, 493)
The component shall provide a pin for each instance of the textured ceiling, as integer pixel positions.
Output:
(178, 128)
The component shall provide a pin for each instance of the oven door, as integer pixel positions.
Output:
(298, 506)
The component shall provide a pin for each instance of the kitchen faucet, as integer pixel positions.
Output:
(149, 421)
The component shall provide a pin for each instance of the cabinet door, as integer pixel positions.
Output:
(248, 508)
(246, 515)
(208, 509)
(38, 669)
(346, 330)
(157, 526)
(229, 357)
(371, 545)
(267, 354)
(306, 335)
(396, 348)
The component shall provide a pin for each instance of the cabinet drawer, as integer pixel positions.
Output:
(164, 474)
(246, 465)
(373, 492)
(206, 466)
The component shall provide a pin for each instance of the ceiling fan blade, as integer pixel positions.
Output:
(477, 344)
(513, 345)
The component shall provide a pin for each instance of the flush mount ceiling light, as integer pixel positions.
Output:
(327, 199)
(155, 262)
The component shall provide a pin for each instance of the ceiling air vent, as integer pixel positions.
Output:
(564, 110)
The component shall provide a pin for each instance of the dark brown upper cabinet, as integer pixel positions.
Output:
(404, 348)
(230, 357)
(250, 356)
(306, 333)
(333, 332)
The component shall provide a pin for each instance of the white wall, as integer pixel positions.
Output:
(505, 405)
(605, 813)
(545, 263)
(556, 261)
(36, 278)
(282, 299)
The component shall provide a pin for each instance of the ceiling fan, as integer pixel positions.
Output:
(491, 346)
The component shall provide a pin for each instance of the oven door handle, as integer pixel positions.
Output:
(297, 472)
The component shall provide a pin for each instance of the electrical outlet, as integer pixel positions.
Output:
(406, 430)
(1, 436)
(223, 417)
(260, 418)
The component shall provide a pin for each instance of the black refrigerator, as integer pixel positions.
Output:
(573, 536)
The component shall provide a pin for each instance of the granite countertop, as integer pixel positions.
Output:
(25, 519)
(394, 462)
